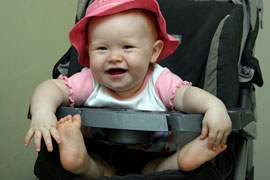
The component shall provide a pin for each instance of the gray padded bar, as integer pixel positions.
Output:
(185, 122)
(125, 119)
(118, 118)
(150, 121)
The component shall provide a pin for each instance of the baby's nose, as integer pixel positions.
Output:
(115, 56)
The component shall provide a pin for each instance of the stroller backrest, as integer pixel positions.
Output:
(212, 48)
(211, 37)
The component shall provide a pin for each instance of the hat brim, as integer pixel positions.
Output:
(78, 34)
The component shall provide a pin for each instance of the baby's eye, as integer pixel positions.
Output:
(102, 48)
(127, 47)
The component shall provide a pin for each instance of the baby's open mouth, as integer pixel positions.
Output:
(116, 71)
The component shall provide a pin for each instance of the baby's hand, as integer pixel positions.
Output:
(217, 126)
(43, 126)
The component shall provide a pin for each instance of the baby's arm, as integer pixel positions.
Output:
(47, 97)
(216, 122)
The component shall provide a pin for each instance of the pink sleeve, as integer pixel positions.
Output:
(166, 86)
(80, 87)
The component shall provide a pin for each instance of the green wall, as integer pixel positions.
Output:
(33, 36)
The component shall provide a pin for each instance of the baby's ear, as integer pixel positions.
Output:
(158, 47)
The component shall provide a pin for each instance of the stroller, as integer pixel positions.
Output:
(216, 54)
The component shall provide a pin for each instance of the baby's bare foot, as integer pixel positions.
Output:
(195, 153)
(73, 153)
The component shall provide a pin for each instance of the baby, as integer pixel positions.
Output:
(120, 42)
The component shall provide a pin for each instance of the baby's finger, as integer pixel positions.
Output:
(37, 140)
(47, 138)
(204, 132)
(211, 139)
(55, 135)
(28, 137)
(217, 141)
(224, 139)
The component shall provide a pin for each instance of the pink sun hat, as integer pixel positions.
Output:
(78, 34)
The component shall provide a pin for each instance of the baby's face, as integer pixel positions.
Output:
(120, 50)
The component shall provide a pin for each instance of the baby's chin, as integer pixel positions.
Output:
(123, 92)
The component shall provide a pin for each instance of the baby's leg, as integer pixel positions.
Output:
(73, 153)
(188, 158)
(195, 153)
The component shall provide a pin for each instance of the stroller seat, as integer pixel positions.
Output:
(211, 56)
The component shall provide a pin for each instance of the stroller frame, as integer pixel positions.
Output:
(128, 127)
